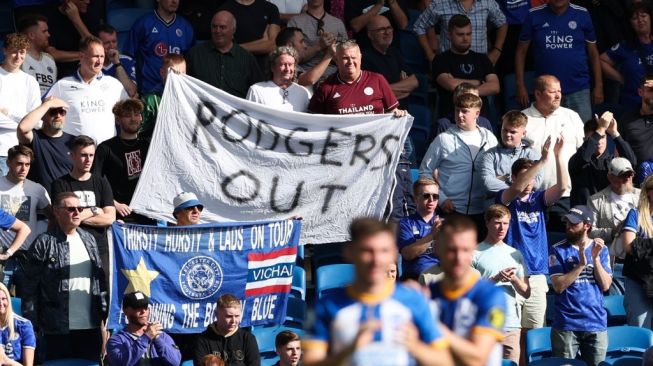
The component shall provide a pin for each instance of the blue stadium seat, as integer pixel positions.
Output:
(409, 46)
(295, 313)
(538, 344)
(421, 129)
(509, 89)
(16, 306)
(298, 288)
(622, 361)
(507, 362)
(553, 237)
(557, 361)
(70, 362)
(324, 254)
(187, 363)
(628, 341)
(123, 19)
(614, 304)
(414, 173)
(333, 276)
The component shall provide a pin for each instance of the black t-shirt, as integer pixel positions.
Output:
(637, 130)
(471, 66)
(389, 65)
(121, 162)
(64, 35)
(95, 192)
(355, 8)
(240, 349)
(51, 158)
(199, 14)
(251, 20)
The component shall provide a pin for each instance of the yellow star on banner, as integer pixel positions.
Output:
(139, 278)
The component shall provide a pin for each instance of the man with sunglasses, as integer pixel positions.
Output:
(590, 163)
(50, 144)
(65, 289)
(188, 209)
(94, 193)
(416, 233)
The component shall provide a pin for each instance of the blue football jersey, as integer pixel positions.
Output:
(149, 40)
(23, 338)
(340, 314)
(480, 306)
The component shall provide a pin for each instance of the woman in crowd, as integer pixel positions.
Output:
(17, 341)
(633, 56)
(638, 225)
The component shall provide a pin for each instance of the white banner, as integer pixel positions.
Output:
(249, 162)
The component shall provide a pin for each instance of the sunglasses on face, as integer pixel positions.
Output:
(55, 111)
(72, 209)
(431, 196)
(191, 208)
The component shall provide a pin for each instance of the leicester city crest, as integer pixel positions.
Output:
(200, 277)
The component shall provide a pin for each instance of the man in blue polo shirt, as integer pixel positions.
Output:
(563, 40)
(415, 233)
(580, 273)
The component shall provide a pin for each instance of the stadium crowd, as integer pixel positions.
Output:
(534, 175)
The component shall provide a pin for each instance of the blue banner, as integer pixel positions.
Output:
(185, 269)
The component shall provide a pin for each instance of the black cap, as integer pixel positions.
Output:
(135, 300)
(579, 213)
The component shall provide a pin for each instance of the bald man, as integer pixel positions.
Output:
(547, 118)
(221, 62)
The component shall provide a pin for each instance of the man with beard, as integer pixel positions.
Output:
(460, 64)
(141, 340)
(637, 128)
(121, 159)
(90, 94)
(38, 62)
(527, 231)
(580, 273)
(281, 92)
(50, 144)
(611, 205)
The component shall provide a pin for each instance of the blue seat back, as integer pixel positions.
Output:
(538, 343)
(122, 20)
(622, 361)
(614, 304)
(16, 306)
(626, 340)
(295, 313)
(557, 361)
(298, 288)
(333, 276)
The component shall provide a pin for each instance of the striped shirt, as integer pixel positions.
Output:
(439, 13)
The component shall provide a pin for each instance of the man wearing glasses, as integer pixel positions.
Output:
(415, 236)
(382, 58)
(188, 209)
(65, 292)
(94, 193)
(50, 144)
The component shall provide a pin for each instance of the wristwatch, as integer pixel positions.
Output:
(94, 210)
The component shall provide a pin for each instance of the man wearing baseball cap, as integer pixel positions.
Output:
(141, 341)
(611, 204)
(580, 272)
(188, 209)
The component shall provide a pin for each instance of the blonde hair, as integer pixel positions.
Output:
(644, 221)
(7, 320)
